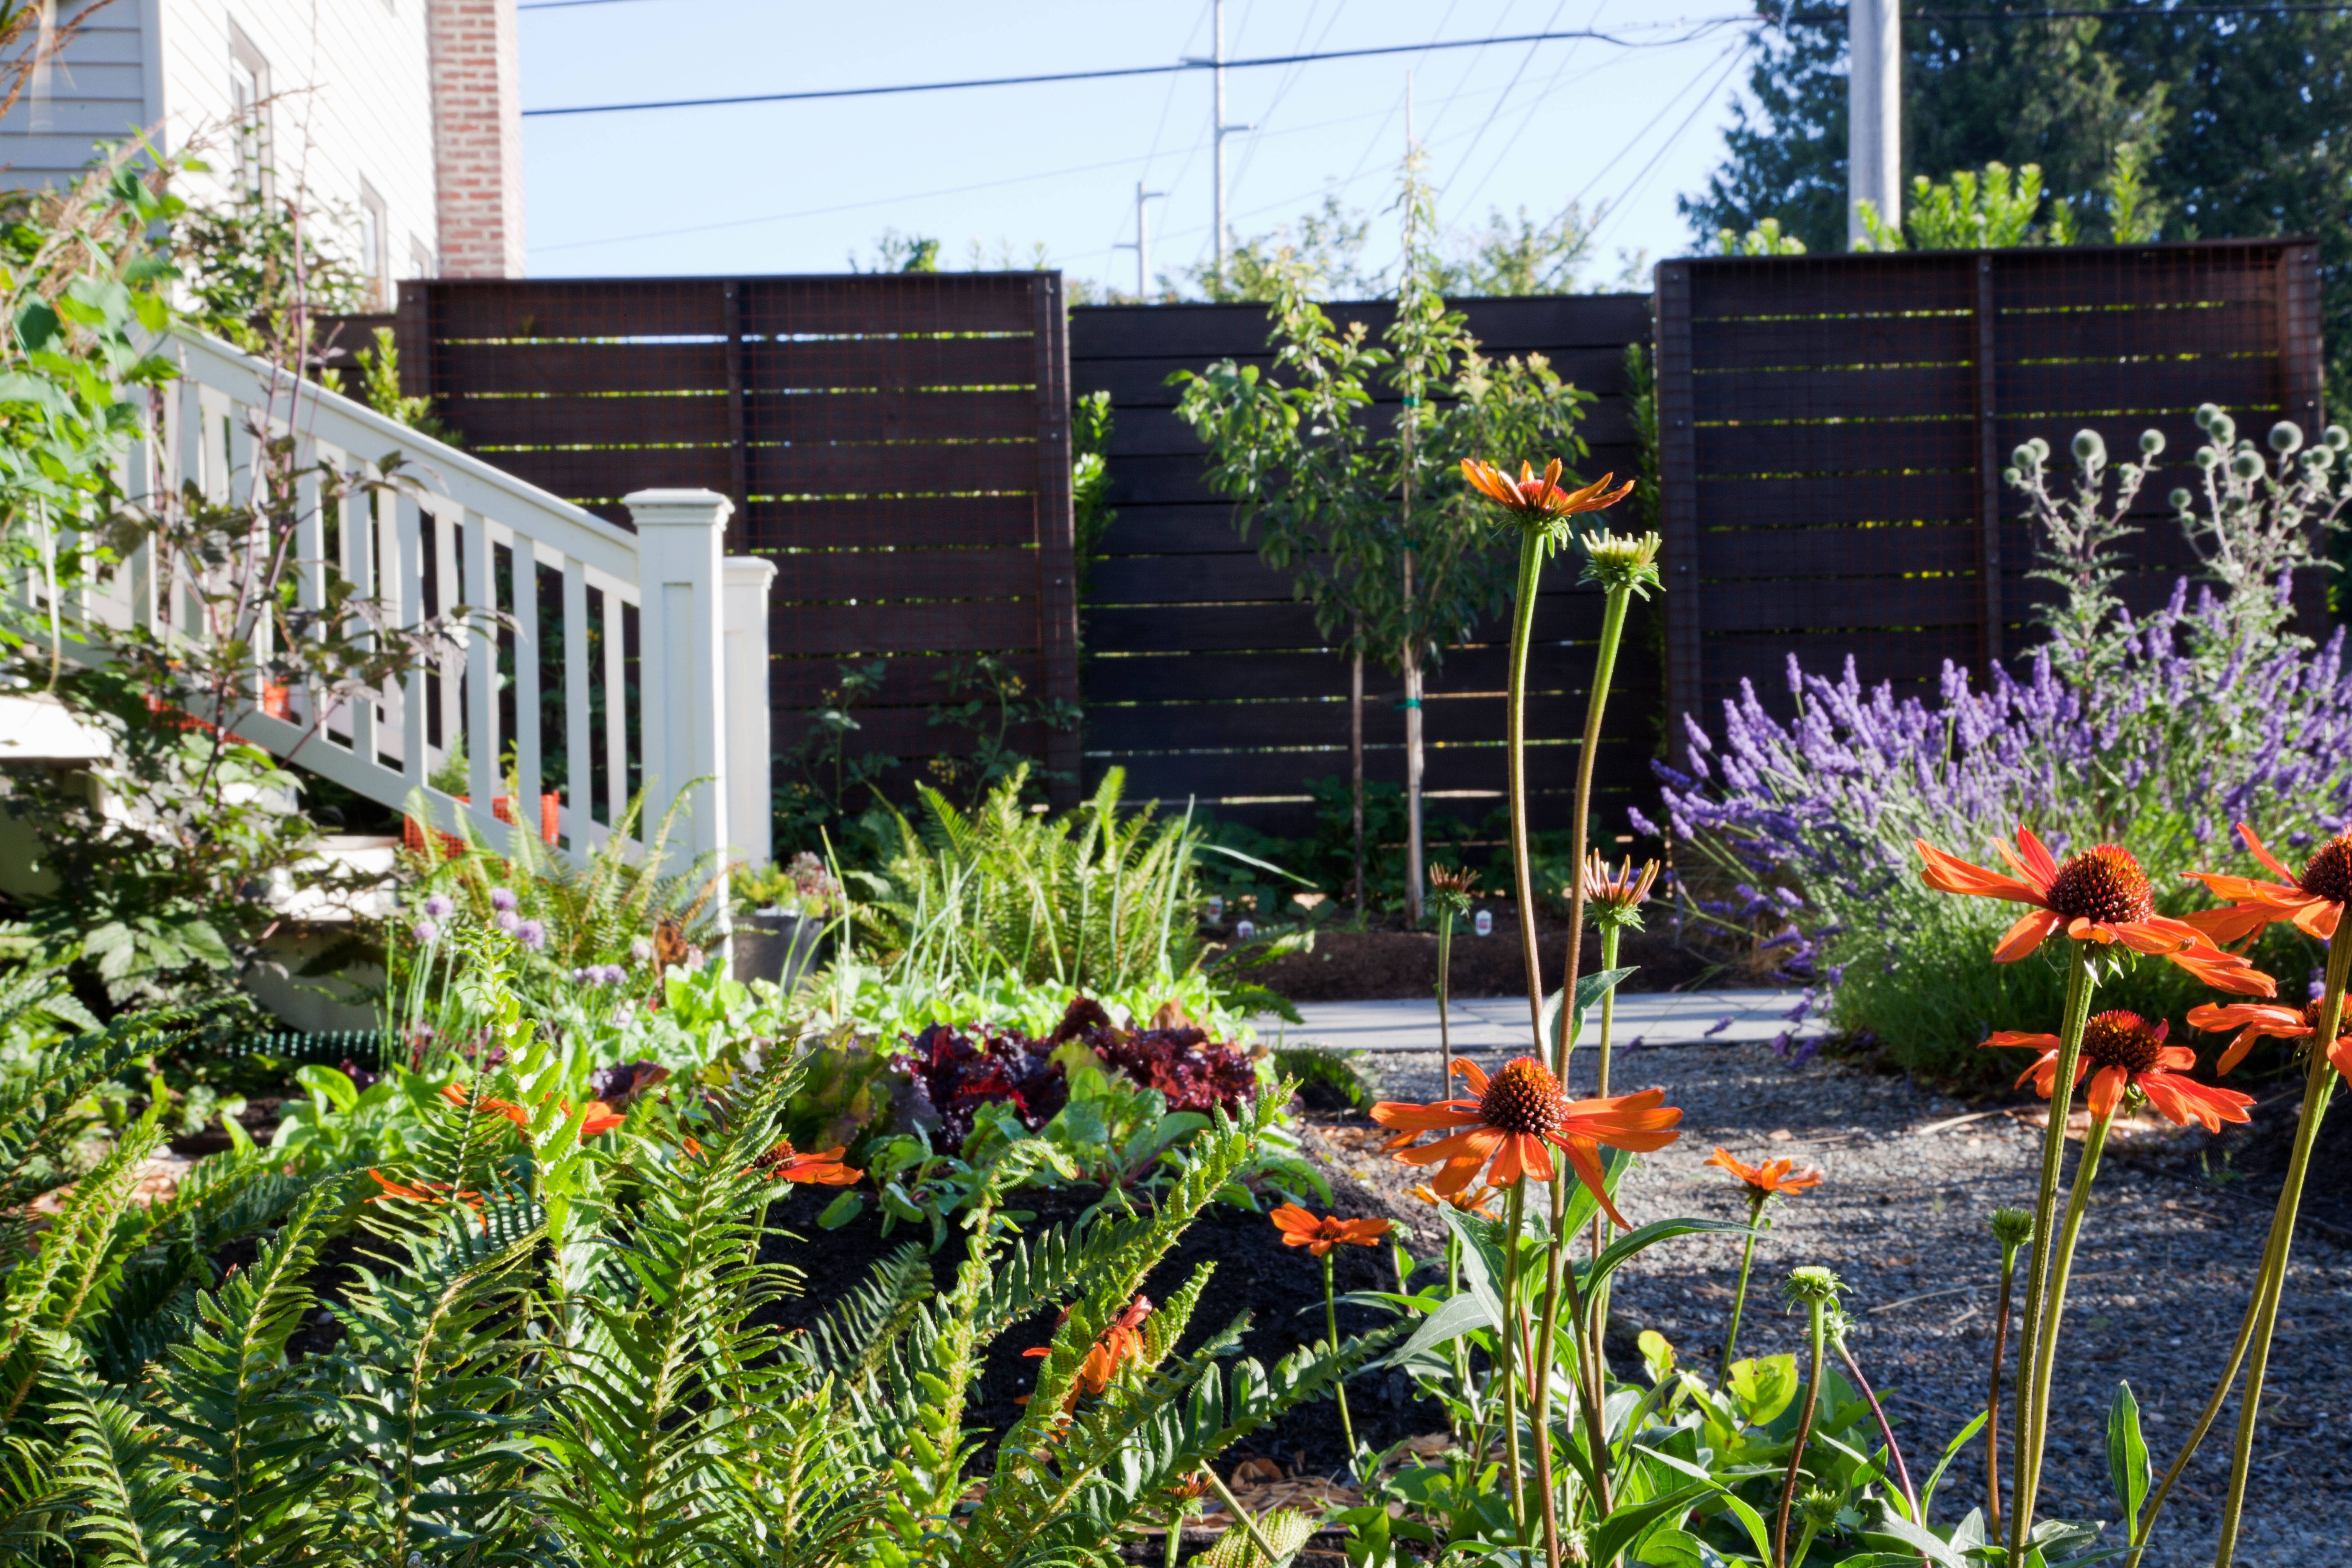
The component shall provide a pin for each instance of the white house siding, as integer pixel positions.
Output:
(351, 103)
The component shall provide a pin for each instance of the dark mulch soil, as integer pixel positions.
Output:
(1281, 1288)
(1368, 965)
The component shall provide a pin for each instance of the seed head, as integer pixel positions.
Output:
(2120, 1039)
(2102, 883)
(1523, 1097)
(2329, 874)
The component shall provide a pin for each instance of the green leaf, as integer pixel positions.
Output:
(1481, 1267)
(1590, 989)
(840, 1212)
(1934, 1547)
(1626, 1523)
(1464, 1314)
(329, 1084)
(1951, 1451)
(1633, 1243)
(1764, 1386)
(2128, 1464)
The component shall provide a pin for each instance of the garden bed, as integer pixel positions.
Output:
(1374, 965)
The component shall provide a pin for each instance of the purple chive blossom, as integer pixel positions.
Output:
(531, 934)
(502, 899)
(426, 933)
(437, 907)
(510, 922)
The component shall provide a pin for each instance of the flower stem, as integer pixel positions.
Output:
(2053, 1306)
(1506, 1335)
(1885, 1430)
(1740, 1295)
(2079, 986)
(1815, 1337)
(1515, 763)
(1993, 1400)
(2320, 1083)
(1445, 1025)
(1331, 1332)
(1241, 1515)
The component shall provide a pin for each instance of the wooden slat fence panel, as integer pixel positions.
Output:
(1205, 677)
(1832, 431)
(898, 445)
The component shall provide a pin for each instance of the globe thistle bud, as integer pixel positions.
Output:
(2320, 458)
(2090, 448)
(2011, 1227)
(2012, 477)
(2151, 443)
(1621, 561)
(2223, 429)
(2040, 448)
(2179, 500)
(2247, 466)
(2209, 457)
(2206, 414)
(1811, 1285)
(2338, 437)
(2286, 435)
(2025, 458)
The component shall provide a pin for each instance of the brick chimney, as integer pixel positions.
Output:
(478, 137)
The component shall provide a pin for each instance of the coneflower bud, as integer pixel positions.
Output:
(1452, 888)
(1811, 1285)
(2013, 1228)
(1616, 898)
(1621, 561)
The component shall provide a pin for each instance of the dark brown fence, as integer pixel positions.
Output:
(1833, 431)
(898, 445)
(1205, 677)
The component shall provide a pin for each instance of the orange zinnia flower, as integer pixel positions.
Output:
(1300, 1229)
(1516, 1120)
(2253, 1020)
(2122, 1051)
(2313, 901)
(1770, 1177)
(823, 1169)
(1116, 1345)
(2100, 895)
(1536, 498)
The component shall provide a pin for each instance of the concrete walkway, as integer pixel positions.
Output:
(1486, 1025)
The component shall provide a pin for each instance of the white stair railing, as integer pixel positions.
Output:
(664, 599)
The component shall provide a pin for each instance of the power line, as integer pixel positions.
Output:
(1635, 183)
(2128, 13)
(1697, 29)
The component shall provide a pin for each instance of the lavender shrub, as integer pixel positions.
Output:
(2191, 728)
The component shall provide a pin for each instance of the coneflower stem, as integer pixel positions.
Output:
(1331, 1332)
(1815, 1337)
(1507, 1333)
(1445, 1025)
(1610, 934)
(2079, 986)
(1992, 1399)
(1590, 1383)
(1739, 1294)
(2053, 1305)
(2320, 1084)
(1886, 1429)
(1515, 765)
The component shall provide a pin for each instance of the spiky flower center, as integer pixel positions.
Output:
(2311, 1018)
(2102, 883)
(2329, 874)
(1523, 1097)
(2122, 1039)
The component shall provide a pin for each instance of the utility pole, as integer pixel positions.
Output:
(1142, 245)
(1217, 123)
(1874, 136)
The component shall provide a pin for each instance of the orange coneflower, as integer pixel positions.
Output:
(821, 1168)
(1118, 1344)
(1516, 1120)
(2253, 1020)
(2123, 1051)
(2100, 895)
(422, 1192)
(2313, 901)
(458, 1095)
(1464, 1202)
(1300, 1229)
(1538, 497)
(1771, 1177)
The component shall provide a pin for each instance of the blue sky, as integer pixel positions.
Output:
(799, 187)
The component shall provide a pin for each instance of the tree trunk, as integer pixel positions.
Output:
(1356, 765)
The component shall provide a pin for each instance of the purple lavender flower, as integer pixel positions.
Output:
(437, 907)
(426, 933)
(1720, 1024)
(502, 899)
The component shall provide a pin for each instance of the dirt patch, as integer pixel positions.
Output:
(1280, 1288)
(1373, 965)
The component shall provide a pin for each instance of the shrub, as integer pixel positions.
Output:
(1171, 1055)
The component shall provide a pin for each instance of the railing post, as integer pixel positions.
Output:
(750, 812)
(683, 664)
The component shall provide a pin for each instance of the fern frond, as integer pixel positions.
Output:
(132, 1514)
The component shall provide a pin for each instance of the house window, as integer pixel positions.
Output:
(421, 263)
(248, 76)
(375, 252)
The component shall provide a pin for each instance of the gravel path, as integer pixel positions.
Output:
(2160, 1281)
